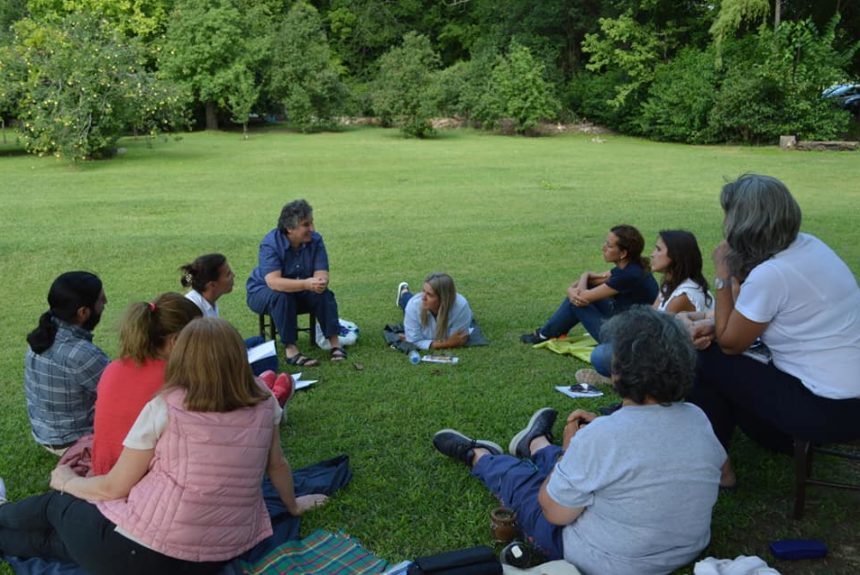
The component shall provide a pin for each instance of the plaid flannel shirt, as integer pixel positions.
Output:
(60, 385)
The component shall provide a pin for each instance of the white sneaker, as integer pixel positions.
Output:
(2, 492)
(400, 287)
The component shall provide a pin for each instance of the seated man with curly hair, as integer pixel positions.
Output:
(627, 493)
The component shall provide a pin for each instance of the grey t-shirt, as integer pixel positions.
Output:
(648, 478)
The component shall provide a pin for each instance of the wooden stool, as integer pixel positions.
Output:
(266, 321)
(803, 451)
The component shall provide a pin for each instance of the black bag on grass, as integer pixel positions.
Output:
(473, 561)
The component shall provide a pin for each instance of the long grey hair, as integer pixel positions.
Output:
(761, 219)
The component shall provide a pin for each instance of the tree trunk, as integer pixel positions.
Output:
(211, 116)
(777, 14)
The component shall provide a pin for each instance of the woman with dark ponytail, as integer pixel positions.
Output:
(209, 277)
(62, 365)
(596, 296)
(146, 337)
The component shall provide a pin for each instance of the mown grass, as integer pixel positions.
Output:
(512, 219)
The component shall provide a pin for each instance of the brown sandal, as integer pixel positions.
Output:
(338, 354)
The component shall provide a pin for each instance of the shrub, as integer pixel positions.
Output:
(517, 91)
(681, 98)
(405, 91)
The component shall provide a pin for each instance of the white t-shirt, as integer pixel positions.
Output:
(811, 303)
(208, 309)
(694, 293)
(152, 421)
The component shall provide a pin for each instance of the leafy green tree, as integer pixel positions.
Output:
(206, 48)
(625, 45)
(773, 85)
(405, 91)
(305, 75)
(242, 97)
(518, 92)
(78, 85)
(681, 98)
(145, 19)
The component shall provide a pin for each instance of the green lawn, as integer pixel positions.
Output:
(513, 220)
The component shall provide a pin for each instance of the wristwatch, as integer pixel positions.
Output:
(720, 283)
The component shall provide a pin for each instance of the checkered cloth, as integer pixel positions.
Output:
(321, 553)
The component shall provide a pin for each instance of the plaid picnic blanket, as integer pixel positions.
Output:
(320, 553)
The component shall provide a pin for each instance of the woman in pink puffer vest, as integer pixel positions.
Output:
(185, 495)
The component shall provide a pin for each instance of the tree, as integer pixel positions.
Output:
(242, 97)
(518, 91)
(205, 48)
(78, 85)
(627, 46)
(404, 90)
(305, 76)
(145, 19)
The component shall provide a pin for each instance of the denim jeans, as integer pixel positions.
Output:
(517, 482)
(601, 359)
(568, 315)
(284, 308)
(404, 299)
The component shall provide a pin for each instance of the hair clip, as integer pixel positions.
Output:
(188, 277)
(151, 306)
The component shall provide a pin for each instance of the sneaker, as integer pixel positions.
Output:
(534, 337)
(520, 555)
(591, 377)
(2, 492)
(284, 388)
(609, 409)
(457, 446)
(540, 424)
(400, 287)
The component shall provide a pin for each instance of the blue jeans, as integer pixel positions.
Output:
(517, 482)
(404, 299)
(568, 315)
(285, 307)
(601, 359)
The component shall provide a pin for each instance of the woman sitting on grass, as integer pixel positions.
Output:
(801, 299)
(146, 337)
(438, 317)
(185, 495)
(623, 494)
(209, 277)
(597, 296)
(677, 256)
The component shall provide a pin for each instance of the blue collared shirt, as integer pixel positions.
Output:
(276, 254)
(60, 385)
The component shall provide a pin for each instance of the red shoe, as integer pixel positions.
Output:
(268, 377)
(284, 388)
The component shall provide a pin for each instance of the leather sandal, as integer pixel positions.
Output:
(338, 354)
(302, 360)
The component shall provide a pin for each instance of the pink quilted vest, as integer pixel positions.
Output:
(201, 499)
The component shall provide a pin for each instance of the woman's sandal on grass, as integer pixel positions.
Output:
(338, 354)
(302, 360)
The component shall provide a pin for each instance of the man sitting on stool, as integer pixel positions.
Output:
(291, 277)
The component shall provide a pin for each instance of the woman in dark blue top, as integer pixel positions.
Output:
(597, 296)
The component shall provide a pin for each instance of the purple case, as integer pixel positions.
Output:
(798, 549)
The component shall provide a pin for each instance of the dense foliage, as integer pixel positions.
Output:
(77, 85)
(679, 70)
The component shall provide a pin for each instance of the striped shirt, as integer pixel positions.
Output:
(60, 385)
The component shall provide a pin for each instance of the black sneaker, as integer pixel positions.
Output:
(540, 424)
(520, 555)
(456, 445)
(534, 337)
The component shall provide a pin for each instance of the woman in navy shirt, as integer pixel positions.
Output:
(596, 296)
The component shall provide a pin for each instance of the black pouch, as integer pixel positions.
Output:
(473, 561)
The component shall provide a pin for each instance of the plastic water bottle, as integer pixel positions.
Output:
(414, 357)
